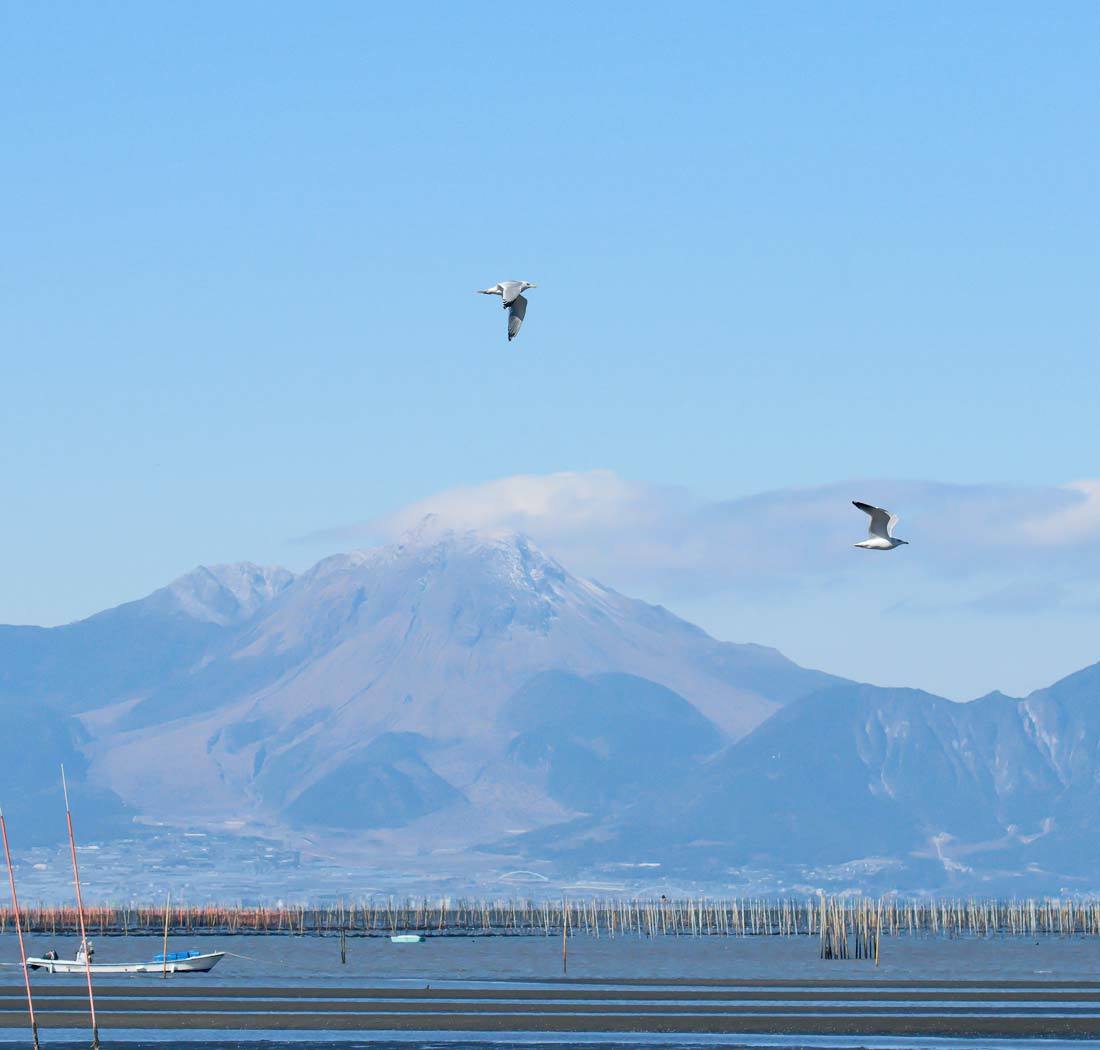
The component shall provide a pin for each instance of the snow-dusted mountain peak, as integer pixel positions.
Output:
(432, 532)
(392, 688)
(226, 594)
(432, 552)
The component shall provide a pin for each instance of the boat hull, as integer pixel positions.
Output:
(196, 964)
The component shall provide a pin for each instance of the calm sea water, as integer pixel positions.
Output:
(316, 960)
(472, 961)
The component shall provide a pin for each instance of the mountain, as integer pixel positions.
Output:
(219, 594)
(400, 664)
(48, 675)
(606, 740)
(856, 778)
(131, 648)
(460, 702)
(35, 743)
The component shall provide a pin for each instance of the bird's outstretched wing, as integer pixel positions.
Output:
(516, 313)
(509, 291)
(881, 521)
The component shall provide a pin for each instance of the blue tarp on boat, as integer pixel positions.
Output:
(176, 956)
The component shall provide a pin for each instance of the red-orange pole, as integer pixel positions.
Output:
(19, 929)
(80, 912)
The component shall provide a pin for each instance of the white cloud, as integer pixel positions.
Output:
(566, 503)
(661, 540)
(1077, 523)
(1014, 612)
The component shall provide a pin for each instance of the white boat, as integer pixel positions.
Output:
(407, 938)
(176, 962)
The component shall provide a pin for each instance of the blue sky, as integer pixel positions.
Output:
(778, 246)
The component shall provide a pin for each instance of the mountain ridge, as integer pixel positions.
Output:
(418, 636)
(463, 691)
(994, 788)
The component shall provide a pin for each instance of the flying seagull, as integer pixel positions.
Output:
(878, 532)
(512, 300)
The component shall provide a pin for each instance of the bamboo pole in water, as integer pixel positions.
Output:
(864, 919)
(564, 940)
(164, 950)
(16, 919)
(80, 911)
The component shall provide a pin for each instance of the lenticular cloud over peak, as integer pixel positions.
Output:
(956, 617)
(563, 502)
(613, 526)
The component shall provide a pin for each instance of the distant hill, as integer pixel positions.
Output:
(920, 791)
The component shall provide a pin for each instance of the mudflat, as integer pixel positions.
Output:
(1009, 1009)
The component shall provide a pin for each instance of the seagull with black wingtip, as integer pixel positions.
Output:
(511, 297)
(879, 530)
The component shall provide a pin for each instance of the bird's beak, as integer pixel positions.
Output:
(532, 286)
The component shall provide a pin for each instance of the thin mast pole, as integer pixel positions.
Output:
(19, 929)
(80, 912)
(564, 935)
(164, 953)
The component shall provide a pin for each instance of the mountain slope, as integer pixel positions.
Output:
(465, 694)
(133, 648)
(424, 640)
(929, 788)
(35, 743)
(607, 739)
